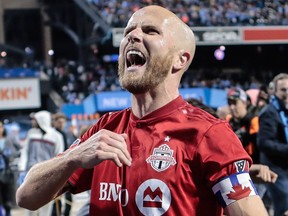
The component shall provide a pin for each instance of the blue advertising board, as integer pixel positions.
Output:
(196, 93)
(217, 97)
(109, 101)
(118, 100)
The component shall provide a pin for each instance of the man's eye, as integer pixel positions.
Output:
(152, 31)
(127, 31)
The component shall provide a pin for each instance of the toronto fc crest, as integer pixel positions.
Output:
(162, 158)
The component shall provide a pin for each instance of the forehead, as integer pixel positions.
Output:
(233, 101)
(150, 17)
(282, 82)
(60, 119)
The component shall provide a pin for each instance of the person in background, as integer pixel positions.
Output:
(223, 111)
(162, 156)
(271, 89)
(43, 142)
(273, 142)
(71, 135)
(262, 98)
(84, 210)
(14, 136)
(8, 153)
(59, 123)
(250, 107)
(33, 131)
(244, 123)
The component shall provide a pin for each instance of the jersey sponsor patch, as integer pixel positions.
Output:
(153, 197)
(233, 188)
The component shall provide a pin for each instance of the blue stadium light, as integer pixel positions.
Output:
(28, 51)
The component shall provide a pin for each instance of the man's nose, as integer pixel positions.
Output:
(135, 35)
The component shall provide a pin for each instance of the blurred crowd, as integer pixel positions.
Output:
(75, 82)
(48, 135)
(201, 13)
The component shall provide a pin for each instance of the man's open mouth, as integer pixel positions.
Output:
(135, 58)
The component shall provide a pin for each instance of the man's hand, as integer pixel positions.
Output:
(262, 174)
(103, 145)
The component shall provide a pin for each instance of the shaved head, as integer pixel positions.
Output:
(157, 48)
(182, 34)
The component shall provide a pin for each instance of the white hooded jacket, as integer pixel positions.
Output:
(41, 146)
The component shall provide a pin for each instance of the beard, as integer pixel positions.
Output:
(155, 73)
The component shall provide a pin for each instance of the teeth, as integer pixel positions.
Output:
(132, 60)
(135, 52)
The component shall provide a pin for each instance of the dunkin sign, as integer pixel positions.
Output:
(19, 93)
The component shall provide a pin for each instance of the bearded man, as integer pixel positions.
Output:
(162, 156)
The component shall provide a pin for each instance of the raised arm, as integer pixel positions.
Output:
(48, 179)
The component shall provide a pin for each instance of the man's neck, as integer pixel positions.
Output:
(146, 103)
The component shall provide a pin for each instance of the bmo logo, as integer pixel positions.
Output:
(153, 197)
(112, 191)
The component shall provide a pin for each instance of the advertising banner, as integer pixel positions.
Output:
(217, 35)
(19, 94)
(226, 35)
(109, 101)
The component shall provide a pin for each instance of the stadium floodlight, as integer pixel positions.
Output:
(50, 52)
(219, 53)
(3, 54)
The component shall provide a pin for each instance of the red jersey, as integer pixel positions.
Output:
(178, 153)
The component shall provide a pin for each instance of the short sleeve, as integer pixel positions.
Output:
(81, 180)
(219, 152)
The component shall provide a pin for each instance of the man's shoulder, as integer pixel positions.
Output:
(196, 114)
(33, 131)
(53, 131)
(268, 109)
(115, 116)
(54, 135)
(196, 119)
(112, 119)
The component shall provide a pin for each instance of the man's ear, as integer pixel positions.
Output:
(182, 61)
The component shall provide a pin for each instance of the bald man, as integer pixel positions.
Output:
(162, 156)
